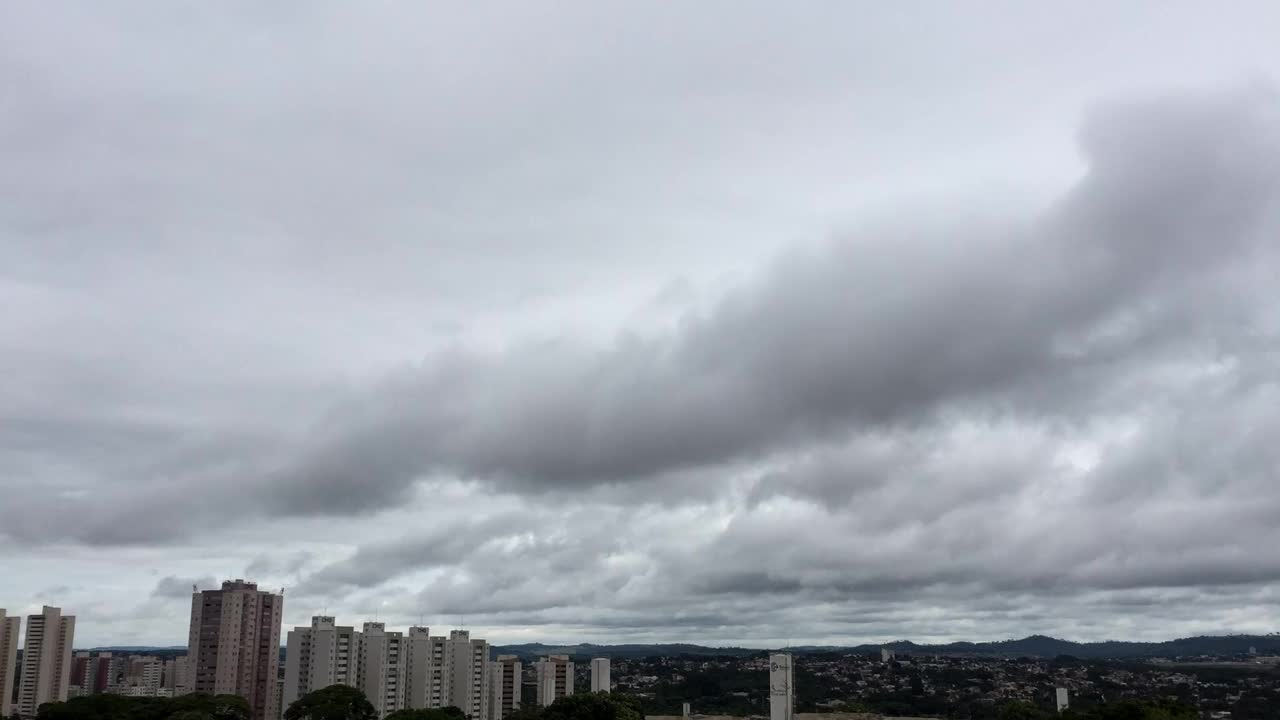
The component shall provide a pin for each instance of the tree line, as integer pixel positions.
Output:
(336, 702)
(342, 702)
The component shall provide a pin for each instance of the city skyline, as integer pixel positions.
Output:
(879, 644)
(735, 323)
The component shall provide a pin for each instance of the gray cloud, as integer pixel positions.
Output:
(851, 336)
(548, 335)
(180, 587)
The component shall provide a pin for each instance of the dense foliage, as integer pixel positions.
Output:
(196, 706)
(336, 702)
(448, 713)
(1125, 710)
(584, 706)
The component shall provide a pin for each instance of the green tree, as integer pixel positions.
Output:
(594, 706)
(445, 713)
(217, 707)
(190, 715)
(525, 712)
(336, 702)
(1019, 710)
(1142, 710)
(196, 706)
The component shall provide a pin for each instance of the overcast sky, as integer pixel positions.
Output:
(724, 322)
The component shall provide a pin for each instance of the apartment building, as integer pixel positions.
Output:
(9, 628)
(382, 666)
(419, 678)
(555, 678)
(505, 675)
(46, 660)
(234, 644)
(318, 656)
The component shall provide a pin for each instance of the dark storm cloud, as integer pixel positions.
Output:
(876, 330)
(179, 587)
(890, 327)
(448, 544)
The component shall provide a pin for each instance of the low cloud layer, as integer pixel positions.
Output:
(970, 414)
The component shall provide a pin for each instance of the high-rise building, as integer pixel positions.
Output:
(319, 656)
(234, 644)
(93, 673)
(555, 678)
(181, 677)
(1062, 699)
(781, 687)
(394, 670)
(504, 679)
(465, 677)
(46, 660)
(9, 628)
(418, 675)
(169, 674)
(600, 675)
(144, 671)
(381, 667)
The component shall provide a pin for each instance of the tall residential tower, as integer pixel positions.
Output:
(318, 656)
(600, 675)
(781, 687)
(9, 627)
(234, 645)
(555, 678)
(505, 679)
(46, 660)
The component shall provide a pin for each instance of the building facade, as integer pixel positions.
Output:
(318, 656)
(381, 668)
(555, 678)
(46, 660)
(419, 661)
(465, 677)
(9, 628)
(394, 670)
(180, 677)
(234, 644)
(600, 681)
(505, 676)
(781, 687)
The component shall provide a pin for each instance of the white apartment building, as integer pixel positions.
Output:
(46, 660)
(505, 676)
(600, 681)
(555, 678)
(318, 656)
(465, 679)
(418, 676)
(9, 628)
(381, 667)
(394, 670)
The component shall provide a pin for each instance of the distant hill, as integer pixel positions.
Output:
(533, 650)
(1043, 646)
(137, 648)
(1032, 646)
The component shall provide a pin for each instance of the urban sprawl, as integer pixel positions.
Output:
(234, 647)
